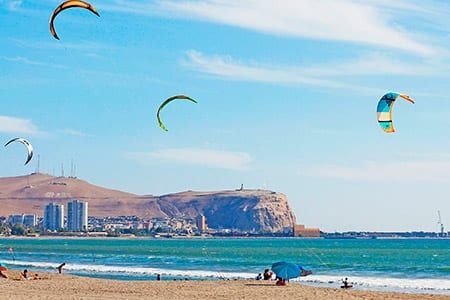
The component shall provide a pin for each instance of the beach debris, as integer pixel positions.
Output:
(178, 97)
(66, 5)
(27, 144)
(384, 110)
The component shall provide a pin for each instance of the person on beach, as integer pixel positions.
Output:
(267, 274)
(280, 282)
(346, 284)
(3, 274)
(259, 277)
(303, 272)
(24, 275)
(158, 277)
(36, 277)
(60, 268)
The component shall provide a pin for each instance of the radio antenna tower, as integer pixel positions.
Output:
(441, 225)
(38, 165)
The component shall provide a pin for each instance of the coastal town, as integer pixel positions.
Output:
(68, 206)
(78, 222)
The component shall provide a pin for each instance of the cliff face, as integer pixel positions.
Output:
(258, 210)
(249, 210)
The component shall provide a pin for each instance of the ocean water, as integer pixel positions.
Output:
(421, 265)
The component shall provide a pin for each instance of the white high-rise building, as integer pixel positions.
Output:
(77, 216)
(54, 217)
(201, 223)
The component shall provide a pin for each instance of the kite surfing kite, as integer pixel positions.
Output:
(26, 144)
(179, 97)
(66, 5)
(384, 110)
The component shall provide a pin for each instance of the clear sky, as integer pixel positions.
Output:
(287, 94)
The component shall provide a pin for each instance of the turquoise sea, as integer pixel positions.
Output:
(421, 265)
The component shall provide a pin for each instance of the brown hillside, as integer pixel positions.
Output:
(258, 210)
(29, 194)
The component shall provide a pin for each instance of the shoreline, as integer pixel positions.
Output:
(244, 258)
(204, 237)
(432, 286)
(54, 286)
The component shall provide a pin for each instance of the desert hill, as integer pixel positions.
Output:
(29, 194)
(260, 210)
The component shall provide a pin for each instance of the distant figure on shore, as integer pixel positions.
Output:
(24, 274)
(3, 274)
(60, 268)
(36, 277)
(158, 277)
(259, 277)
(267, 274)
(303, 272)
(346, 284)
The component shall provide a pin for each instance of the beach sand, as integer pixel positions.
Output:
(53, 286)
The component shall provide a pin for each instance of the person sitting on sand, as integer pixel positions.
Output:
(259, 277)
(346, 284)
(24, 275)
(3, 274)
(267, 274)
(36, 277)
(60, 268)
(280, 282)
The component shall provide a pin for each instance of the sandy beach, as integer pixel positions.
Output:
(53, 286)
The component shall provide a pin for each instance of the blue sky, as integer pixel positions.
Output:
(287, 95)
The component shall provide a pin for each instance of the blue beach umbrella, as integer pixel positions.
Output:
(286, 270)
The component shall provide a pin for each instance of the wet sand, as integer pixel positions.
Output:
(54, 286)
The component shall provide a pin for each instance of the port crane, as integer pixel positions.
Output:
(441, 225)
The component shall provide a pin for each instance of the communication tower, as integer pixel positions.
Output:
(441, 225)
